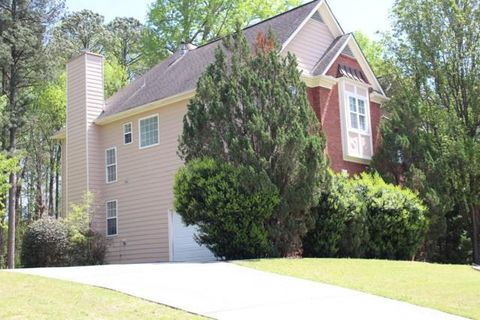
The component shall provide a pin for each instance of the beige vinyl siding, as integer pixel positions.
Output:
(143, 188)
(95, 104)
(310, 44)
(76, 151)
(85, 102)
(63, 212)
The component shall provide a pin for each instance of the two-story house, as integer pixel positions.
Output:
(124, 150)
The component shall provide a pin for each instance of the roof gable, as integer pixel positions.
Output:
(180, 72)
(347, 45)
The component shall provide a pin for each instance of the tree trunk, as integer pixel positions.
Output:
(11, 206)
(475, 235)
(39, 203)
(2, 252)
(51, 182)
(57, 174)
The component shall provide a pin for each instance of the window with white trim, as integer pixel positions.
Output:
(357, 135)
(112, 218)
(358, 113)
(111, 165)
(127, 133)
(148, 131)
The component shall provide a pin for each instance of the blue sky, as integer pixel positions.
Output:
(368, 16)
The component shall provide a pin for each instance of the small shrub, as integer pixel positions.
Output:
(230, 205)
(45, 244)
(85, 246)
(87, 250)
(366, 217)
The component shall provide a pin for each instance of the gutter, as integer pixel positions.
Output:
(145, 108)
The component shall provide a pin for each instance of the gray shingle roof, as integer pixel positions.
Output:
(178, 74)
(330, 54)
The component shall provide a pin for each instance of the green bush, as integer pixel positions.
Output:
(85, 246)
(45, 244)
(230, 205)
(396, 219)
(366, 217)
(340, 228)
(88, 250)
(48, 242)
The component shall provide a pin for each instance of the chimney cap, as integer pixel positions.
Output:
(84, 52)
(186, 46)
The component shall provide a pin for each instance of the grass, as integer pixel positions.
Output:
(451, 288)
(31, 297)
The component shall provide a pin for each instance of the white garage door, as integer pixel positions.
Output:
(183, 246)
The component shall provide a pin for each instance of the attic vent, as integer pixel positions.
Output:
(317, 17)
(351, 73)
(347, 51)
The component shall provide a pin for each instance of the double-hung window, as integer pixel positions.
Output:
(358, 113)
(111, 165)
(112, 218)
(127, 133)
(357, 135)
(148, 131)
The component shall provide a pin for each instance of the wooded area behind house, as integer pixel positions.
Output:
(428, 66)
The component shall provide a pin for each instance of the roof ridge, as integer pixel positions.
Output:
(258, 23)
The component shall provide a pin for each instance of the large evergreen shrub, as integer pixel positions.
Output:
(230, 205)
(45, 244)
(366, 217)
(251, 109)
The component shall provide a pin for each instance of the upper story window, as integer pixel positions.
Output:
(148, 131)
(127, 133)
(356, 128)
(111, 165)
(358, 113)
(112, 218)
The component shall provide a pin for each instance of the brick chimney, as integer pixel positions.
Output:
(85, 102)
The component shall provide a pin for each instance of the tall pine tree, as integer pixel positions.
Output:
(251, 109)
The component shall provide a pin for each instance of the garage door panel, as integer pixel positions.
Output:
(183, 245)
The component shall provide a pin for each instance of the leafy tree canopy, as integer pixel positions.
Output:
(171, 22)
(431, 136)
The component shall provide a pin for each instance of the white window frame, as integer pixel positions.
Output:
(110, 218)
(140, 131)
(344, 106)
(125, 133)
(357, 113)
(109, 165)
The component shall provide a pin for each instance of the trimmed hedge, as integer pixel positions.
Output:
(230, 205)
(364, 217)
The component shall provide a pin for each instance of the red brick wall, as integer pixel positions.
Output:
(326, 105)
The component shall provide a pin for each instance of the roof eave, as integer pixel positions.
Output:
(186, 95)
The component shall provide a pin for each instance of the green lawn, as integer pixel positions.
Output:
(29, 297)
(450, 288)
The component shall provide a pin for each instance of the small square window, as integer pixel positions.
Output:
(127, 133)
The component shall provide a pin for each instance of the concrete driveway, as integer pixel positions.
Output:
(227, 291)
